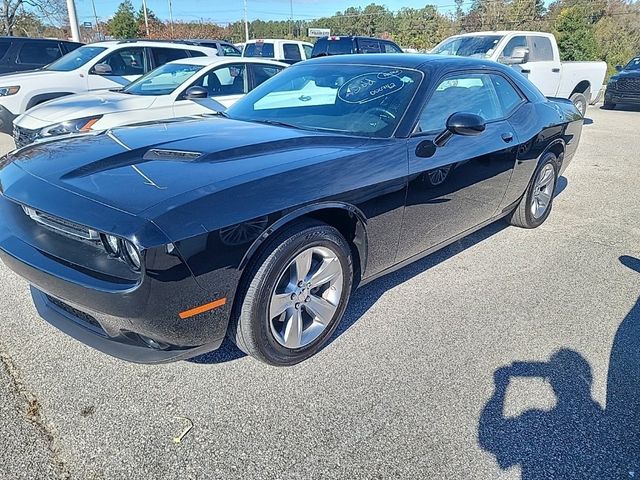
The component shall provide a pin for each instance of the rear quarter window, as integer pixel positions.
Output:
(39, 53)
(369, 46)
(4, 47)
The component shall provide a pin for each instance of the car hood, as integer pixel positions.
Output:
(626, 74)
(135, 168)
(82, 105)
(16, 78)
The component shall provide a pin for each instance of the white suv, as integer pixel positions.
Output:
(97, 66)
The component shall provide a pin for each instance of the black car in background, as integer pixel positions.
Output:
(624, 86)
(335, 45)
(22, 53)
(152, 243)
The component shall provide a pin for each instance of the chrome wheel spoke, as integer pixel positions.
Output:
(329, 270)
(302, 266)
(279, 303)
(293, 329)
(543, 191)
(321, 309)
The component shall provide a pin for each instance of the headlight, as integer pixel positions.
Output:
(6, 91)
(71, 126)
(132, 254)
(124, 249)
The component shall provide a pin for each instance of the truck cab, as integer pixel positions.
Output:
(536, 56)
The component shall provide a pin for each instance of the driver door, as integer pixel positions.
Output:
(459, 185)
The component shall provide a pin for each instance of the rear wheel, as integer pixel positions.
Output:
(535, 205)
(580, 101)
(295, 295)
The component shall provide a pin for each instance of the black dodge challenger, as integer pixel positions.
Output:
(153, 243)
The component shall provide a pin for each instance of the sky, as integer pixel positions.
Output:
(223, 12)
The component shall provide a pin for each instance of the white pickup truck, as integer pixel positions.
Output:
(535, 55)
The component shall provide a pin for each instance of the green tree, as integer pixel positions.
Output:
(575, 34)
(123, 25)
(152, 19)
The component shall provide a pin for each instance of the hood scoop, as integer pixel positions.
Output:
(171, 155)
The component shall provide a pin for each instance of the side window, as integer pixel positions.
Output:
(166, 55)
(369, 46)
(4, 47)
(226, 80)
(466, 92)
(391, 48)
(197, 53)
(229, 50)
(519, 41)
(39, 53)
(291, 51)
(126, 61)
(540, 49)
(262, 73)
(507, 94)
(307, 51)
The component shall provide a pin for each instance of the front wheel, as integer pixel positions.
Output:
(294, 295)
(535, 205)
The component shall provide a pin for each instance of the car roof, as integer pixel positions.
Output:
(32, 39)
(260, 40)
(205, 61)
(148, 43)
(502, 33)
(418, 61)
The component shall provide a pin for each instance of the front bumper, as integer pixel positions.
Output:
(615, 96)
(80, 290)
(6, 120)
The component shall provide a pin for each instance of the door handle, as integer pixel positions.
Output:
(507, 137)
(555, 70)
(525, 71)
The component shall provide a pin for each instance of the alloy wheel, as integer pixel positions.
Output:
(306, 297)
(543, 191)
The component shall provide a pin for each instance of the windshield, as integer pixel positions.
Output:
(633, 64)
(361, 100)
(163, 80)
(476, 46)
(75, 59)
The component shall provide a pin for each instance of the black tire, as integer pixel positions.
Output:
(522, 215)
(580, 101)
(608, 105)
(250, 328)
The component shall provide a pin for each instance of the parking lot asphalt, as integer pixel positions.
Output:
(406, 389)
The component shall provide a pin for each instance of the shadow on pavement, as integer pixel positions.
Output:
(364, 298)
(623, 107)
(577, 439)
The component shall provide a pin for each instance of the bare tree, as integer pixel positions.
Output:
(52, 11)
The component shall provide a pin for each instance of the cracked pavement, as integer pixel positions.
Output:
(401, 390)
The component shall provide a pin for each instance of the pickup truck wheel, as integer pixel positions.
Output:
(294, 295)
(535, 205)
(580, 101)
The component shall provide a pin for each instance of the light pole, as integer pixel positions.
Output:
(171, 17)
(95, 15)
(246, 23)
(146, 18)
(73, 20)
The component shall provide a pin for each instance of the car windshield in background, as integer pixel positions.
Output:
(476, 46)
(633, 64)
(75, 59)
(259, 49)
(361, 100)
(163, 80)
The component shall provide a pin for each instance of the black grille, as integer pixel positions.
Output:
(629, 85)
(80, 316)
(24, 136)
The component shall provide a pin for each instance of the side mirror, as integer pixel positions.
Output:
(461, 123)
(102, 69)
(518, 56)
(194, 93)
(618, 68)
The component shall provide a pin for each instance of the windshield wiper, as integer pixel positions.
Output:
(278, 124)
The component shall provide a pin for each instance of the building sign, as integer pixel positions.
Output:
(87, 25)
(319, 32)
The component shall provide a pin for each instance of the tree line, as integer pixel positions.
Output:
(585, 29)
